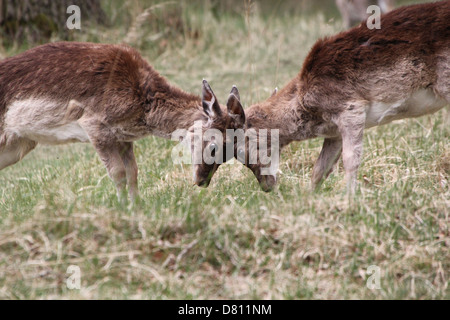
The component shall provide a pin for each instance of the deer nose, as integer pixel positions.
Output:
(267, 183)
(203, 183)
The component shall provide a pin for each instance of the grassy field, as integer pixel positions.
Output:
(231, 241)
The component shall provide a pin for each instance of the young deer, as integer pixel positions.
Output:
(104, 94)
(359, 79)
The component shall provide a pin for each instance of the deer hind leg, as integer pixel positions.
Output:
(442, 86)
(14, 150)
(331, 151)
(351, 126)
(131, 169)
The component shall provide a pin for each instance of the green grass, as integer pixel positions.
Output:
(58, 207)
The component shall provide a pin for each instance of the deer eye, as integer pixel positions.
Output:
(241, 155)
(213, 148)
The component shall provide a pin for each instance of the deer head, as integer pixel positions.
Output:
(226, 134)
(209, 143)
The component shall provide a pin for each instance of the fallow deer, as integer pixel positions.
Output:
(107, 95)
(355, 80)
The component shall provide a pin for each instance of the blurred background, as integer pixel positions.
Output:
(38, 21)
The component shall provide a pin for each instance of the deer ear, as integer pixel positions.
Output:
(234, 106)
(274, 93)
(209, 101)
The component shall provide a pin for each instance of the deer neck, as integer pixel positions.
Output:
(168, 108)
(284, 112)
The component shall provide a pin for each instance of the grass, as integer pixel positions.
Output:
(230, 241)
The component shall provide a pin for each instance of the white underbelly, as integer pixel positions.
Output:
(418, 104)
(66, 133)
(43, 121)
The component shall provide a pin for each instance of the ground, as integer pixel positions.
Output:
(58, 207)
